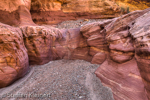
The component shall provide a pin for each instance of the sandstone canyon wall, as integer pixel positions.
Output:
(16, 12)
(133, 4)
(55, 11)
(121, 45)
(140, 32)
(120, 71)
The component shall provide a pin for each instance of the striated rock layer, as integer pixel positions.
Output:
(120, 71)
(124, 79)
(141, 32)
(95, 35)
(56, 11)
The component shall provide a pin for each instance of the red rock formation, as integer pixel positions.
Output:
(13, 58)
(55, 11)
(72, 45)
(95, 35)
(109, 42)
(133, 4)
(124, 79)
(38, 41)
(55, 17)
(120, 71)
(46, 44)
(140, 31)
(16, 12)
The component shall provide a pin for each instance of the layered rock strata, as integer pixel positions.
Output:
(56, 11)
(124, 79)
(95, 35)
(120, 62)
(140, 32)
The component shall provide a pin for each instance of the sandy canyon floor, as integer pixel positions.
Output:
(59, 80)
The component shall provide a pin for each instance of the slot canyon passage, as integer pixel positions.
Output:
(86, 59)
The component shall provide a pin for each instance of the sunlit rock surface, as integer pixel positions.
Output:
(14, 62)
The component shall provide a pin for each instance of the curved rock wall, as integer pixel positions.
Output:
(120, 71)
(140, 32)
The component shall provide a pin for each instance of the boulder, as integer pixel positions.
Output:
(14, 62)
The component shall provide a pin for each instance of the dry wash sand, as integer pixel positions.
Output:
(59, 80)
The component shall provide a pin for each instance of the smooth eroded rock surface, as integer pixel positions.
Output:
(124, 80)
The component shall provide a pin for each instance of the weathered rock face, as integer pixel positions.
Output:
(45, 44)
(120, 71)
(72, 45)
(124, 79)
(110, 42)
(13, 57)
(92, 6)
(38, 41)
(10, 6)
(140, 32)
(16, 12)
(133, 4)
(95, 34)
(55, 11)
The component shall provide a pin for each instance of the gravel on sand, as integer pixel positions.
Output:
(59, 80)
